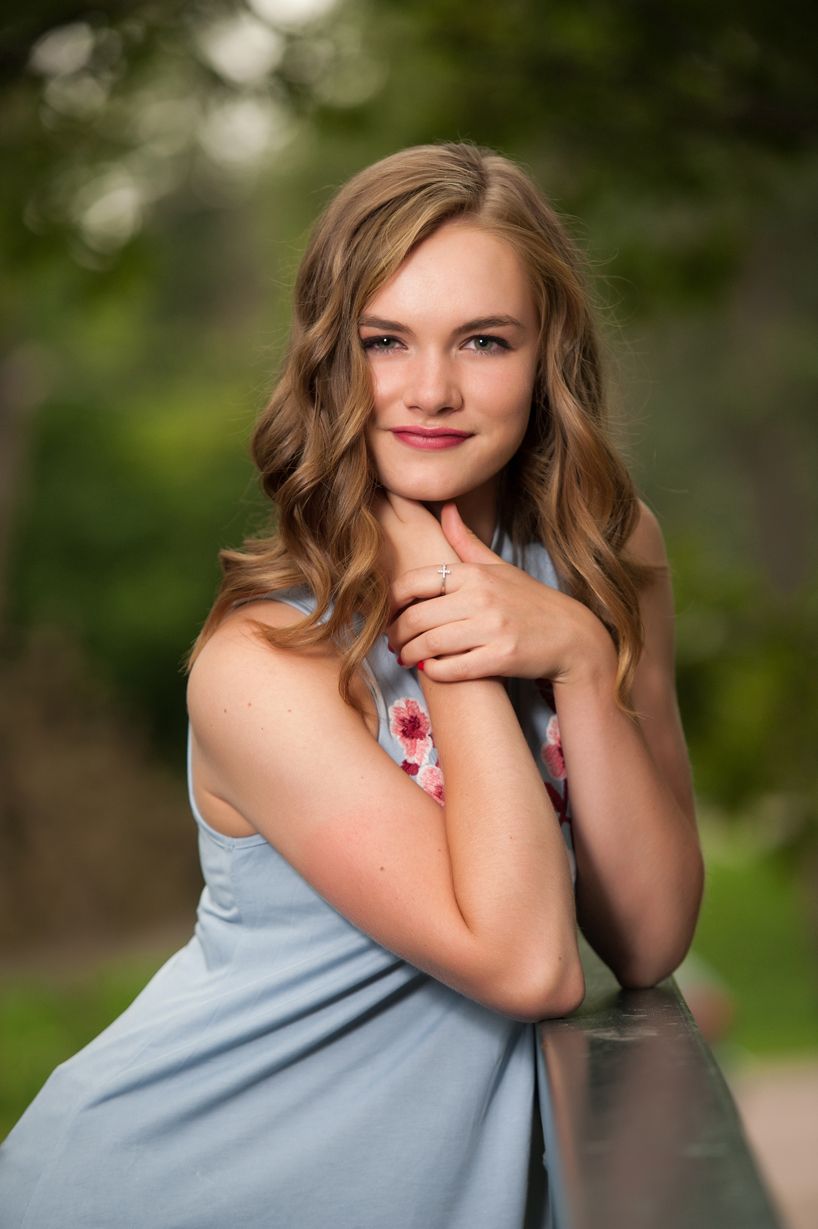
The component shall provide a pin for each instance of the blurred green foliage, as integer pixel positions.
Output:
(751, 932)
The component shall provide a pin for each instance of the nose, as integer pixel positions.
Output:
(431, 384)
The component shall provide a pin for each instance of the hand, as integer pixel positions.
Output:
(413, 536)
(493, 620)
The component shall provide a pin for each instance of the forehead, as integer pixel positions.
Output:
(459, 271)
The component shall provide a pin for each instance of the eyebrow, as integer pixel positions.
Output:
(470, 326)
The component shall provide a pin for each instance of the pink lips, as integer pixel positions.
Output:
(428, 438)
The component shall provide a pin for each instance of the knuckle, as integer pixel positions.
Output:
(432, 643)
(459, 667)
(412, 620)
(405, 621)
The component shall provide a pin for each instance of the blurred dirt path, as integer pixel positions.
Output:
(778, 1102)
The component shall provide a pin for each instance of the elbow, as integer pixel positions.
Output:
(650, 968)
(558, 994)
(636, 978)
(659, 951)
(566, 997)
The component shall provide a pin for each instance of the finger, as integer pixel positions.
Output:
(423, 615)
(458, 667)
(460, 637)
(465, 541)
(423, 583)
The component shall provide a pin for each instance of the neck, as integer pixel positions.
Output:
(477, 508)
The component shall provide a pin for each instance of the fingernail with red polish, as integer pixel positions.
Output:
(420, 665)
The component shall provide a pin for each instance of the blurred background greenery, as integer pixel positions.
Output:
(162, 164)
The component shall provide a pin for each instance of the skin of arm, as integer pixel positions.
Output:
(640, 873)
(639, 864)
(509, 867)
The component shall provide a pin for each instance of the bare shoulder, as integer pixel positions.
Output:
(237, 662)
(237, 634)
(241, 688)
(646, 543)
(654, 687)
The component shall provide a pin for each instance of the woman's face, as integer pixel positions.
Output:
(451, 341)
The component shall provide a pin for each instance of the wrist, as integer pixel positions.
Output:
(433, 688)
(594, 660)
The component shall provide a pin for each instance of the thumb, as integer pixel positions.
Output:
(464, 540)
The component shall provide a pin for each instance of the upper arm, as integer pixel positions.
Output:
(301, 767)
(654, 687)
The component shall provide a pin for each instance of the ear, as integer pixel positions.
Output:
(464, 540)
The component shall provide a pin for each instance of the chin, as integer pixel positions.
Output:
(421, 483)
(426, 492)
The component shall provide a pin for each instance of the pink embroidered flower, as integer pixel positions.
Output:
(557, 800)
(431, 779)
(411, 726)
(409, 723)
(551, 751)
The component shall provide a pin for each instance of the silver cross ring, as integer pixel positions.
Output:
(443, 571)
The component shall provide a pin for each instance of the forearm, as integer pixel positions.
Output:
(639, 865)
(510, 871)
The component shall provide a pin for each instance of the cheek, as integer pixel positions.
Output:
(507, 397)
(385, 385)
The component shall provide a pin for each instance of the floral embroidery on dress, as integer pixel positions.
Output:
(431, 779)
(554, 760)
(551, 751)
(409, 724)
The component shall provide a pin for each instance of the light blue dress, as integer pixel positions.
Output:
(284, 1070)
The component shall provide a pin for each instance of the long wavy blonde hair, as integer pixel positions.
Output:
(565, 487)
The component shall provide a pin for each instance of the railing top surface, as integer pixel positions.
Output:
(641, 1131)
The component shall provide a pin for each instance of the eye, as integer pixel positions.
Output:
(488, 345)
(383, 343)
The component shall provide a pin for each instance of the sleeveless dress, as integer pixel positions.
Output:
(285, 1071)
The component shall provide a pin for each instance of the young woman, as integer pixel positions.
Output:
(463, 612)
